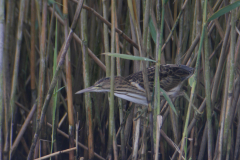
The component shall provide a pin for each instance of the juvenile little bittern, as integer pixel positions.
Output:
(131, 88)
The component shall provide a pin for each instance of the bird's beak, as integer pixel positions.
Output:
(89, 89)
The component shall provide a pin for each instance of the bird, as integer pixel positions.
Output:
(131, 88)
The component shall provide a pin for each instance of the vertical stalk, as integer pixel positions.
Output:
(158, 53)
(8, 34)
(43, 73)
(159, 40)
(174, 50)
(111, 106)
(136, 68)
(119, 99)
(105, 38)
(222, 117)
(2, 29)
(88, 104)
(207, 86)
(32, 54)
(55, 90)
(107, 62)
(146, 22)
(220, 66)
(16, 67)
(41, 82)
(230, 70)
(146, 11)
(32, 59)
(69, 85)
(134, 8)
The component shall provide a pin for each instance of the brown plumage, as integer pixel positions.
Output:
(132, 89)
(171, 75)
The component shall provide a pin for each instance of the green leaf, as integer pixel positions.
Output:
(152, 30)
(60, 88)
(56, 91)
(168, 100)
(191, 80)
(130, 57)
(224, 10)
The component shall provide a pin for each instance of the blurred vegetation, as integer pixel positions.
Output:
(34, 41)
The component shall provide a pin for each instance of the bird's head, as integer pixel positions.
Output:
(103, 85)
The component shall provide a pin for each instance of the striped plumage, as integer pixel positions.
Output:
(131, 88)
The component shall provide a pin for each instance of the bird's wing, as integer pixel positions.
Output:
(171, 75)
